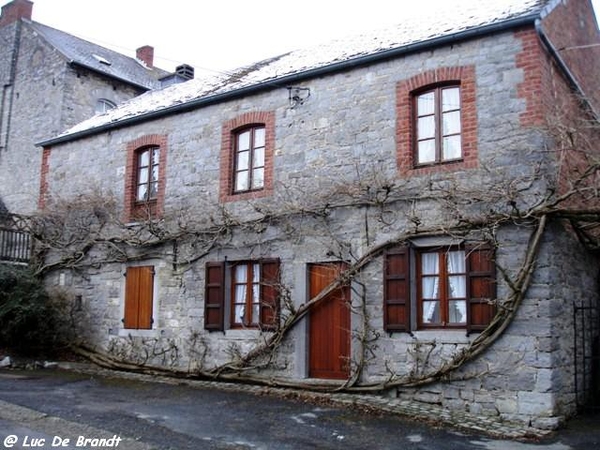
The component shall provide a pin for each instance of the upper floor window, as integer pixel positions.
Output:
(145, 177)
(438, 125)
(103, 105)
(249, 172)
(148, 162)
(247, 156)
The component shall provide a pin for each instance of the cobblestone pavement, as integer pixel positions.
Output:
(146, 413)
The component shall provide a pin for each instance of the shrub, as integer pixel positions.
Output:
(30, 322)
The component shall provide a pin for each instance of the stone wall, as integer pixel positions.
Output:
(340, 142)
(46, 97)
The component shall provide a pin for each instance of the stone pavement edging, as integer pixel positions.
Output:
(435, 414)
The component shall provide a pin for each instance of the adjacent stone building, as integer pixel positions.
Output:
(50, 81)
(383, 214)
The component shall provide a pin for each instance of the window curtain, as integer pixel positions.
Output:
(457, 286)
(430, 287)
(241, 275)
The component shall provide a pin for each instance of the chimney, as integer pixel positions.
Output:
(15, 10)
(146, 54)
(185, 71)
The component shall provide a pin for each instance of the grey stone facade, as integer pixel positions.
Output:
(337, 153)
(45, 92)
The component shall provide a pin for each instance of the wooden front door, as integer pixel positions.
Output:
(329, 323)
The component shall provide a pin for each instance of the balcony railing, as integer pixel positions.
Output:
(15, 246)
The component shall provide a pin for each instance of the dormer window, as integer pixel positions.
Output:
(103, 105)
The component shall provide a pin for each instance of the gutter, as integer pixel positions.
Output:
(549, 46)
(107, 74)
(301, 76)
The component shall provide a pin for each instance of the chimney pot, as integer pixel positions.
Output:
(146, 54)
(15, 10)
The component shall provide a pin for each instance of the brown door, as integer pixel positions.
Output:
(329, 323)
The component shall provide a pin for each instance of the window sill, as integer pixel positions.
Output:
(243, 332)
(439, 163)
(124, 332)
(445, 336)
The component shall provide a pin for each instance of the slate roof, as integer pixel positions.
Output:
(87, 54)
(456, 20)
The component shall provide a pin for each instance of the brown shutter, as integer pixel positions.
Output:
(481, 285)
(132, 288)
(214, 298)
(396, 292)
(139, 292)
(146, 297)
(269, 293)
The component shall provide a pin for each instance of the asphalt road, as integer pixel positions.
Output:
(57, 409)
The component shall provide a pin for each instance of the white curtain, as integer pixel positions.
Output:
(241, 275)
(457, 286)
(430, 286)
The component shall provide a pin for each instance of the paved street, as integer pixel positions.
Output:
(57, 409)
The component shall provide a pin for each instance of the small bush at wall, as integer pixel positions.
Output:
(30, 322)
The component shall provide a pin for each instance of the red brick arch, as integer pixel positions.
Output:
(465, 76)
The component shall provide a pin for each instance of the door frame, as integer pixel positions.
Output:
(344, 372)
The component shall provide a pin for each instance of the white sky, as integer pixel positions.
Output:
(219, 34)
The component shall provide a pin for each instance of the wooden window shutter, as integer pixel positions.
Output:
(139, 297)
(214, 298)
(269, 293)
(481, 287)
(396, 290)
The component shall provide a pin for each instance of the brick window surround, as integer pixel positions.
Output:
(229, 128)
(154, 208)
(463, 76)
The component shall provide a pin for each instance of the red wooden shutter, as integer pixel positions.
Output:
(481, 287)
(139, 296)
(214, 298)
(269, 293)
(396, 291)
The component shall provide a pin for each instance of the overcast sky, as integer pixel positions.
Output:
(219, 34)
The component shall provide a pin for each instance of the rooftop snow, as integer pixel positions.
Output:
(457, 16)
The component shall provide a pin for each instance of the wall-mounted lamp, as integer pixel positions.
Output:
(297, 95)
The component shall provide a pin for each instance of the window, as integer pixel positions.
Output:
(436, 121)
(451, 287)
(145, 178)
(103, 105)
(438, 129)
(245, 291)
(139, 296)
(245, 294)
(442, 288)
(147, 174)
(249, 172)
(247, 153)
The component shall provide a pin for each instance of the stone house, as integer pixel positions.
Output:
(384, 214)
(52, 80)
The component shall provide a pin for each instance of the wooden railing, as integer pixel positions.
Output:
(15, 246)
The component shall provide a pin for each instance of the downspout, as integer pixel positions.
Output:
(549, 46)
(10, 85)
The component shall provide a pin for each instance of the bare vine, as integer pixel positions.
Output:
(89, 232)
